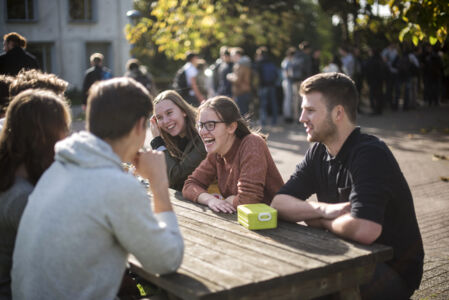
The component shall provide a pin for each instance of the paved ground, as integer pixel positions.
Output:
(414, 137)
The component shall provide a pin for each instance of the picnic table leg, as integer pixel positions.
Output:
(352, 293)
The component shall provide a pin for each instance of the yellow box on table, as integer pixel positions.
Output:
(257, 216)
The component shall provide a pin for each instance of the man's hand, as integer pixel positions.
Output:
(333, 211)
(314, 223)
(151, 165)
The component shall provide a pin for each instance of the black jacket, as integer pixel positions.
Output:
(16, 59)
(93, 74)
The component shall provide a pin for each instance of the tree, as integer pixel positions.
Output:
(424, 19)
(174, 27)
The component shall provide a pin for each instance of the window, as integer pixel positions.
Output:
(43, 53)
(20, 10)
(81, 10)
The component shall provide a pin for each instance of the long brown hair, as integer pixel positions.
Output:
(190, 118)
(228, 112)
(35, 121)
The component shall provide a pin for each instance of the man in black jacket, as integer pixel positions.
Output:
(361, 191)
(15, 57)
(96, 73)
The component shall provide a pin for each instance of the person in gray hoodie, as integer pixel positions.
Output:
(86, 214)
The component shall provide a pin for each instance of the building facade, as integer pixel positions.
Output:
(62, 34)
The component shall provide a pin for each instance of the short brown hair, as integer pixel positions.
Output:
(16, 38)
(35, 121)
(115, 105)
(35, 79)
(336, 88)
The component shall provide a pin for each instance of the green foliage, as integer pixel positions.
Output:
(424, 20)
(174, 27)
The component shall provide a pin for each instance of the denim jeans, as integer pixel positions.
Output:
(385, 284)
(243, 101)
(267, 94)
(393, 90)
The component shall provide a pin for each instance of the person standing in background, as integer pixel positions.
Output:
(287, 84)
(16, 58)
(241, 80)
(96, 73)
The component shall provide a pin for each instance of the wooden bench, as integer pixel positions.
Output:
(224, 260)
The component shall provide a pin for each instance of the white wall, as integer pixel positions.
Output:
(69, 38)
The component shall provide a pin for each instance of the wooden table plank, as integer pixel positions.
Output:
(224, 260)
(262, 260)
(331, 250)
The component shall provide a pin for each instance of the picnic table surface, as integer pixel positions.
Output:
(224, 260)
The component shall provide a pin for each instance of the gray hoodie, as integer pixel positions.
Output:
(82, 220)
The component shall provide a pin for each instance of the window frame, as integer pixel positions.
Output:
(47, 60)
(25, 20)
(83, 21)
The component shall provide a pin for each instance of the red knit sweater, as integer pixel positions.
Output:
(246, 171)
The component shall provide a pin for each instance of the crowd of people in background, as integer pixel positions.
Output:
(398, 77)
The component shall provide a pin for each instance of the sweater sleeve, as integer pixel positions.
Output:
(179, 169)
(154, 239)
(253, 171)
(201, 178)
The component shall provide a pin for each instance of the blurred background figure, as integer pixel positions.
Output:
(137, 72)
(16, 58)
(222, 67)
(287, 84)
(268, 74)
(375, 71)
(241, 80)
(96, 73)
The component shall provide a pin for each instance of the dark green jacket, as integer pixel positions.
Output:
(179, 169)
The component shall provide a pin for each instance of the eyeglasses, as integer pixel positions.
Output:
(209, 125)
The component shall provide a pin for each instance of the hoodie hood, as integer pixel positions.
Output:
(86, 150)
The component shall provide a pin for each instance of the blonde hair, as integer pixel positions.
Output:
(96, 57)
(190, 119)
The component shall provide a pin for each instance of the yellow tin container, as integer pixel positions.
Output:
(257, 216)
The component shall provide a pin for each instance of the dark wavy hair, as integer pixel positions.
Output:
(35, 121)
(228, 112)
(5, 82)
(35, 79)
(190, 119)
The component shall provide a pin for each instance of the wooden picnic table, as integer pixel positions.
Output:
(224, 260)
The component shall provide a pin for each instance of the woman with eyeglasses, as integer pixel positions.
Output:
(237, 157)
(174, 132)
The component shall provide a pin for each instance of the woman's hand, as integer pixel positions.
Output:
(154, 128)
(218, 205)
(230, 200)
